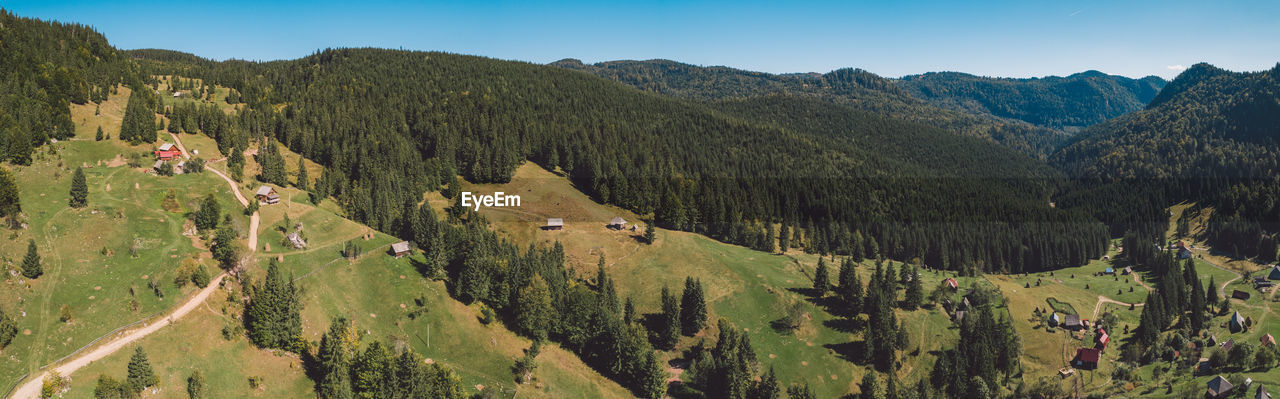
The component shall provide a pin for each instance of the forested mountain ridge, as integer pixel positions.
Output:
(44, 68)
(1210, 137)
(1071, 102)
(390, 124)
(851, 87)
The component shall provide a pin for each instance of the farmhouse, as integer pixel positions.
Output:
(1267, 340)
(1261, 282)
(1101, 340)
(1054, 320)
(167, 151)
(1218, 387)
(295, 240)
(951, 283)
(1072, 322)
(554, 224)
(1261, 393)
(1128, 270)
(1241, 295)
(1237, 322)
(400, 249)
(1087, 358)
(267, 195)
(1275, 273)
(618, 223)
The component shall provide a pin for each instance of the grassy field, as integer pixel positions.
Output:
(88, 253)
(377, 292)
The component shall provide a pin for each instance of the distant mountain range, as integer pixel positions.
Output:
(1070, 103)
(1034, 115)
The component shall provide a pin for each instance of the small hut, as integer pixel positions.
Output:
(267, 195)
(1237, 322)
(400, 249)
(554, 224)
(1218, 388)
(618, 223)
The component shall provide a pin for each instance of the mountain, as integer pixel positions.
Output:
(1207, 123)
(44, 68)
(850, 87)
(389, 125)
(1070, 103)
(1210, 137)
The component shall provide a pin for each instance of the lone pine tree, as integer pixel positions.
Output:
(140, 373)
(79, 190)
(31, 267)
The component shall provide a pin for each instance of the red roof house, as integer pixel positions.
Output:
(1087, 358)
(951, 283)
(167, 151)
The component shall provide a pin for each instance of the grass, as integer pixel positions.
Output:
(371, 292)
(100, 288)
(1061, 307)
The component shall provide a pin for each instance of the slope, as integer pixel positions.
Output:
(851, 87)
(1071, 102)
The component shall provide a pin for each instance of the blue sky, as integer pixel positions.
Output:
(891, 38)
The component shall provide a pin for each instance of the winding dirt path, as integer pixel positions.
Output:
(31, 388)
(1103, 299)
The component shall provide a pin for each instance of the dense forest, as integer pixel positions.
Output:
(1071, 102)
(1210, 137)
(44, 68)
(390, 124)
(855, 88)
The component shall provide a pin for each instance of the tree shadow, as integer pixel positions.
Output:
(851, 352)
(844, 325)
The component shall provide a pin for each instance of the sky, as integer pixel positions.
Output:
(1027, 38)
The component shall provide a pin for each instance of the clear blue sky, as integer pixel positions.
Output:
(891, 38)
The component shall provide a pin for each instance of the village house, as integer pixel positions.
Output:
(1275, 273)
(1241, 295)
(1267, 340)
(167, 151)
(1109, 271)
(1054, 320)
(554, 224)
(1261, 393)
(1128, 270)
(400, 249)
(1237, 322)
(951, 283)
(266, 194)
(1087, 358)
(618, 223)
(156, 166)
(1101, 340)
(1072, 322)
(1218, 388)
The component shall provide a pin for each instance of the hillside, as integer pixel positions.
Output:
(388, 125)
(850, 87)
(1071, 102)
(1215, 136)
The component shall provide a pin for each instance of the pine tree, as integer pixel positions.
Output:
(273, 315)
(653, 377)
(20, 147)
(334, 358)
(870, 386)
(10, 203)
(534, 312)
(650, 232)
(784, 238)
(915, 291)
(224, 249)
(1211, 293)
(693, 308)
(98, 136)
(821, 281)
(195, 385)
(79, 190)
(304, 182)
(140, 374)
(8, 329)
(629, 312)
(767, 388)
(669, 327)
(371, 372)
(31, 267)
(209, 214)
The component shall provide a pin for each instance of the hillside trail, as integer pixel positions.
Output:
(1222, 293)
(1103, 299)
(32, 388)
